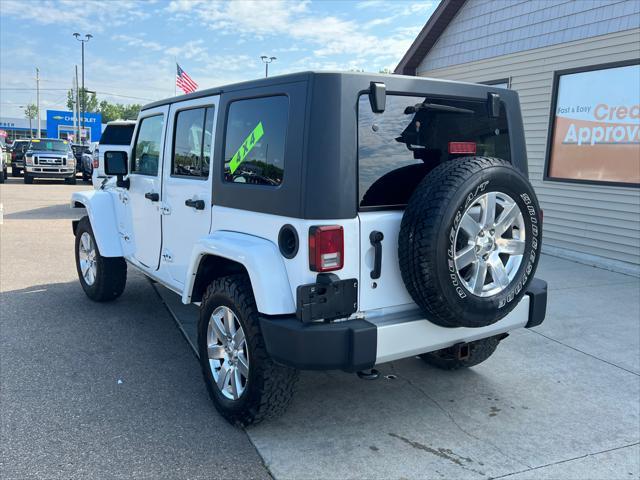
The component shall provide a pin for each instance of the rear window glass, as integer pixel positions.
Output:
(398, 147)
(255, 141)
(117, 135)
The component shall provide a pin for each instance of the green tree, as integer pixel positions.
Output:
(31, 112)
(118, 111)
(90, 100)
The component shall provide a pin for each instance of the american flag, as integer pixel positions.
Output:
(184, 81)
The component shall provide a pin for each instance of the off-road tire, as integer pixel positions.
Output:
(479, 351)
(27, 179)
(111, 273)
(270, 386)
(70, 180)
(424, 242)
(2, 176)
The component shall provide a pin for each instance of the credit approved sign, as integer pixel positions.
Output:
(596, 130)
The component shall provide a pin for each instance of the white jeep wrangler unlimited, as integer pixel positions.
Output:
(324, 221)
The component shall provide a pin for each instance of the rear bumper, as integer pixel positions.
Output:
(354, 345)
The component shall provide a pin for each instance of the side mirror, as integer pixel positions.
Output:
(115, 163)
(377, 97)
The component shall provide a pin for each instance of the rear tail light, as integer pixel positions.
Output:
(462, 148)
(326, 248)
(96, 159)
(13, 155)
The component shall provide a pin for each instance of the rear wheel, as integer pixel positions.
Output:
(27, 179)
(245, 384)
(102, 278)
(70, 180)
(448, 358)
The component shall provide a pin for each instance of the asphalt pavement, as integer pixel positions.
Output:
(114, 390)
(95, 390)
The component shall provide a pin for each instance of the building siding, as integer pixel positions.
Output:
(490, 28)
(594, 220)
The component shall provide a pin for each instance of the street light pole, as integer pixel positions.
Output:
(267, 60)
(87, 37)
(37, 101)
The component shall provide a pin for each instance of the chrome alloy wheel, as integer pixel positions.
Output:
(489, 244)
(87, 255)
(228, 353)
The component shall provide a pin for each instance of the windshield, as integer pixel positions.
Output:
(49, 145)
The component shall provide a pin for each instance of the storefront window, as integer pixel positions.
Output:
(595, 126)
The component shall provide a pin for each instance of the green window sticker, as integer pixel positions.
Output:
(246, 147)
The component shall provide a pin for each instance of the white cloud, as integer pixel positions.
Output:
(328, 35)
(89, 16)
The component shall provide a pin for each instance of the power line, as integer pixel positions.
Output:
(66, 89)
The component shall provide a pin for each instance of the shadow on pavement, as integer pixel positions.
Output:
(51, 212)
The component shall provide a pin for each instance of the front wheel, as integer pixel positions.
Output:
(245, 384)
(102, 278)
(70, 180)
(27, 179)
(15, 172)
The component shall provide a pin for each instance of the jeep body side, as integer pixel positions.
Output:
(256, 202)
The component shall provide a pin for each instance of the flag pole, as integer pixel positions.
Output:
(175, 70)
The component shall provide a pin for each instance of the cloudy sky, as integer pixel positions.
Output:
(131, 58)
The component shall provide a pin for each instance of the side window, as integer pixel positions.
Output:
(146, 154)
(192, 144)
(255, 138)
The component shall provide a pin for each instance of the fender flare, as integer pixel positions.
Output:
(101, 212)
(262, 260)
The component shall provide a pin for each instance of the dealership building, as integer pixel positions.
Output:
(576, 68)
(55, 124)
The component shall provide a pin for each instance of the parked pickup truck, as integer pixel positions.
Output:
(324, 221)
(49, 158)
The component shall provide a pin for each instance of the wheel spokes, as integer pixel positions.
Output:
(488, 214)
(218, 328)
(235, 382)
(510, 246)
(507, 218)
(243, 365)
(223, 376)
(466, 256)
(498, 272)
(478, 277)
(470, 226)
(216, 352)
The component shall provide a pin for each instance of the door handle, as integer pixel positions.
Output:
(376, 238)
(197, 204)
(154, 197)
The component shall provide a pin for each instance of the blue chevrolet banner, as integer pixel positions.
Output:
(60, 125)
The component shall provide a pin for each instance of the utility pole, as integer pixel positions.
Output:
(87, 37)
(38, 99)
(267, 61)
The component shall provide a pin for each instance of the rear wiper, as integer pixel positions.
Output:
(435, 106)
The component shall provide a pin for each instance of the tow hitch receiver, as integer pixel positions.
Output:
(461, 351)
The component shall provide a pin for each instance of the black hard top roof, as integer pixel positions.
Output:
(279, 79)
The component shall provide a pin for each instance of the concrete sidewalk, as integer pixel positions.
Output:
(558, 401)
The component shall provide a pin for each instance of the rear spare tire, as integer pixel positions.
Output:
(470, 241)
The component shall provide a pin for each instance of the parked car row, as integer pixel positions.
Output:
(56, 158)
